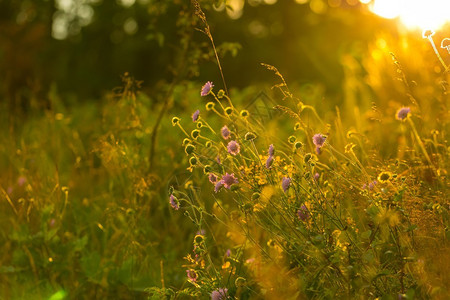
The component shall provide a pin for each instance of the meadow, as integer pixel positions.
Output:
(199, 188)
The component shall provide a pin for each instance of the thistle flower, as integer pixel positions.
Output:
(318, 150)
(219, 294)
(212, 178)
(225, 132)
(233, 148)
(228, 253)
(192, 275)
(303, 213)
(269, 162)
(174, 202)
(402, 113)
(228, 180)
(218, 185)
(195, 115)
(271, 151)
(285, 184)
(319, 139)
(206, 88)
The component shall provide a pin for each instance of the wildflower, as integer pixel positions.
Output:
(195, 115)
(316, 176)
(212, 178)
(207, 169)
(219, 294)
(225, 132)
(228, 253)
(372, 184)
(218, 185)
(427, 33)
(445, 44)
(185, 142)
(384, 177)
(233, 148)
(249, 136)
(192, 275)
(200, 232)
(189, 149)
(195, 133)
(218, 159)
(244, 113)
(286, 182)
(318, 150)
(303, 213)
(21, 180)
(193, 161)
(402, 113)
(271, 150)
(220, 94)
(319, 139)
(175, 121)
(228, 110)
(228, 180)
(174, 202)
(206, 88)
(269, 161)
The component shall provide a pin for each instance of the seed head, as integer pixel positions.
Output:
(175, 121)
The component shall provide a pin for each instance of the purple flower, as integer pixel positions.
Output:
(212, 178)
(228, 180)
(21, 180)
(271, 150)
(372, 184)
(218, 185)
(318, 150)
(192, 275)
(174, 202)
(316, 176)
(225, 132)
(269, 162)
(319, 139)
(218, 159)
(233, 148)
(228, 253)
(206, 89)
(286, 182)
(195, 115)
(219, 294)
(402, 113)
(303, 213)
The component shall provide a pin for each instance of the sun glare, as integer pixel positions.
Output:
(414, 14)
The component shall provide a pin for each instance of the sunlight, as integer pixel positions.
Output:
(431, 14)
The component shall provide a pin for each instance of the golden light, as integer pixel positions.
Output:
(414, 14)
